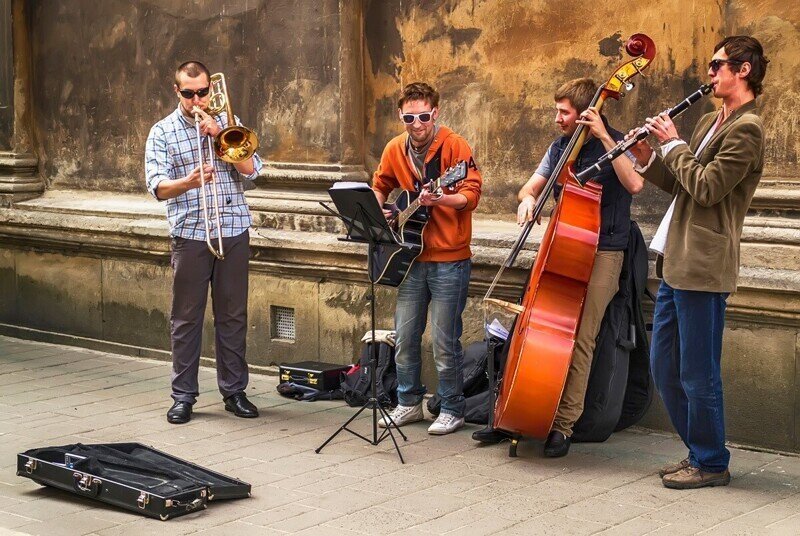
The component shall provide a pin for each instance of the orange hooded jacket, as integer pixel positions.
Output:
(448, 233)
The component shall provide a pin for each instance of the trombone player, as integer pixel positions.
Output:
(208, 220)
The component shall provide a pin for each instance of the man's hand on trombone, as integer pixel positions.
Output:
(193, 181)
(208, 125)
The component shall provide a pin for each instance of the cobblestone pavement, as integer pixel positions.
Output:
(53, 395)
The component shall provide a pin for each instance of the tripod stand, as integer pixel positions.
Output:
(365, 223)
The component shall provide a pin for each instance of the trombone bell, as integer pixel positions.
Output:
(235, 143)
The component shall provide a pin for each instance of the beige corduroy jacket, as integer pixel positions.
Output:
(713, 192)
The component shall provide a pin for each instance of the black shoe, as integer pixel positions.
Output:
(240, 406)
(557, 445)
(491, 436)
(179, 413)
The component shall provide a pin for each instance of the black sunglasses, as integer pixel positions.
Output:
(715, 65)
(189, 94)
(424, 117)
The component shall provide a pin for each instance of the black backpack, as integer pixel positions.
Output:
(356, 386)
(476, 382)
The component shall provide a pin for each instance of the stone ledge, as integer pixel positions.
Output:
(133, 226)
(309, 176)
(776, 194)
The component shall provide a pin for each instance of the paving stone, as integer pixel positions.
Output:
(376, 520)
(634, 527)
(12, 521)
(325, 530)
(345, 501)
(559, 491)
(426, 504)
(517, 507)
(239, 528)
(306, 520)
(553, 523)
(603, 511)
(143, 526)
(690, 514)
(464, 521)
(77, 523)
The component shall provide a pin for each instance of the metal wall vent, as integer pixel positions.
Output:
(283, 326)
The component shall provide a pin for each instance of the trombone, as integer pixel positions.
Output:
(233, 144)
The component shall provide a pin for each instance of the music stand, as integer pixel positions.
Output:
(365, 223)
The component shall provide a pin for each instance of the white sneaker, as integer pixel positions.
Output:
(404, 415)
(446, 423)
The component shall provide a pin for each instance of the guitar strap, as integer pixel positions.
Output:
(433, 168)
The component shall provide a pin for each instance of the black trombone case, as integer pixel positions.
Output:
(131, 476)
(316, 374)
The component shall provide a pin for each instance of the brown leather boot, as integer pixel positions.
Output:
(673, 467)
(692, 478)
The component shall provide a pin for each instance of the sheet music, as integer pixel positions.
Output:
(351, 185)
(496, 329)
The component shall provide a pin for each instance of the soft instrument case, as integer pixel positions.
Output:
(131, 476)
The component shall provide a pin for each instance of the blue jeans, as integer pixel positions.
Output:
(442, 288)
(685, 359)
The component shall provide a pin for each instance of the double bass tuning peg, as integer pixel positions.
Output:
(627, 87)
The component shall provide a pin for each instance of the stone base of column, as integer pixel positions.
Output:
(289, 194)
(19, 179)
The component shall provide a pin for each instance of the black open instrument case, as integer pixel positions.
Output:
(131, 476)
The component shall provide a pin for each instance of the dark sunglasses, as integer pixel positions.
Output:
(189, 94)
(715, 65)
(424, 117)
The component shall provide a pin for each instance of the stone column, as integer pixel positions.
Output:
(289, 192)
(19, 178)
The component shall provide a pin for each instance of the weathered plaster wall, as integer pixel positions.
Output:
(497, 64)
(103, 74)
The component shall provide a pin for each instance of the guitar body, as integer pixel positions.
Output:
(390, 264)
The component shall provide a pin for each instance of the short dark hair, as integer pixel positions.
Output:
(419, 91)
(579, 92)
(744, 48)
(193, 69)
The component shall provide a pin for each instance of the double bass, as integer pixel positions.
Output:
(548, 313)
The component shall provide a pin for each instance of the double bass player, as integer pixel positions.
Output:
(620, 182)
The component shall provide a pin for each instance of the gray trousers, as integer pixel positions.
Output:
(194, 267)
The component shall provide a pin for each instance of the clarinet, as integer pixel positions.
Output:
(584, 176)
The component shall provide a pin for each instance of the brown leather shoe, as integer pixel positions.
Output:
(692, 478)
(673, 467)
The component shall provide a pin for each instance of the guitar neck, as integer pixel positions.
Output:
(412, 207)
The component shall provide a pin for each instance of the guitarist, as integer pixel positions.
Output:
(439, 277)
(620, 183)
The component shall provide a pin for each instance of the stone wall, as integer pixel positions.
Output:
(104, 73)
(497, 65)
(87, 262)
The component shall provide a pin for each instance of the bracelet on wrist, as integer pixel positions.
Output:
(670, 140)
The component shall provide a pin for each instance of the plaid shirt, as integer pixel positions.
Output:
(171, 153)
